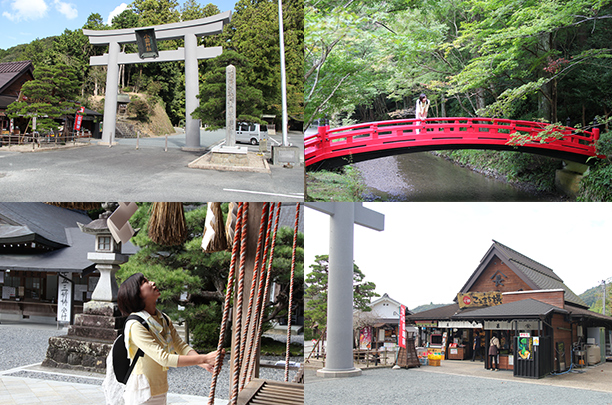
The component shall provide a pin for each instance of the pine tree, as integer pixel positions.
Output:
(49, 97)
(316, 292)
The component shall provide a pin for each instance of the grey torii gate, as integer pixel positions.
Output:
(187, 30)
(343, 215)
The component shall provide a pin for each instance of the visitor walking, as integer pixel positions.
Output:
(493, 351)
(476, 347)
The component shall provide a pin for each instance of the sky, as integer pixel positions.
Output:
(428, 251)
(22, 21)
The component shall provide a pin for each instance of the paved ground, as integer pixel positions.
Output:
(121, 172)
(15, 390)
(458, 382)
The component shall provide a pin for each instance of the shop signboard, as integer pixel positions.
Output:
(426, 324)
(525, 348)
(479, 299)
(460, 324)
(402, 326)
(512, 325)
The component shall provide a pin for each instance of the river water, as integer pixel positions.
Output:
(425, 177)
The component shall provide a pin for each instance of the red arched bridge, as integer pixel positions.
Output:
(340, 146)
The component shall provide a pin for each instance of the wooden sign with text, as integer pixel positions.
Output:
(479, 299)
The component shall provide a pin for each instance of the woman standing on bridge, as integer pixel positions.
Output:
(422, 105)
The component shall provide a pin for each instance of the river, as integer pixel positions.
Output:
(425, 177)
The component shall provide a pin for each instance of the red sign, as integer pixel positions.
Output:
(402, 327)
(467, 300)
(78, 119)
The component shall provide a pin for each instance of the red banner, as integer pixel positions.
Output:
(402, 327)
(78, 119)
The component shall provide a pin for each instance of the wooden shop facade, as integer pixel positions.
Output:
(542, 326)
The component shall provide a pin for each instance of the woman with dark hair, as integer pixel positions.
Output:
(161, 344)
(422, 105)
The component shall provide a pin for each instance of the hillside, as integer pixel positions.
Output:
(593, 298)
(156, 123)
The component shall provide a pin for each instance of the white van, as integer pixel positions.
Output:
(248, 132)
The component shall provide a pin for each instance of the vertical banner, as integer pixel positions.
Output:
(64, 298)
(402, 327)
(78, 119)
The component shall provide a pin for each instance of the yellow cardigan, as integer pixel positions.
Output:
(155, 358)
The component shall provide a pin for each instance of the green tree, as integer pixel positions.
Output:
(249, 99)
(49, 96)
(203, 276)
(316, 292)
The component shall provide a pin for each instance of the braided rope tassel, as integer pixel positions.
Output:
(228, 295)
(238, 306)
(248, 368)
(245, 347)
(295, 235)
(266, 291)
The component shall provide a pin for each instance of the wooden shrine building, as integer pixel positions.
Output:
(12, 77)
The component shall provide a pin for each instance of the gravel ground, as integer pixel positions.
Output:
(184, 380)
(420, 387)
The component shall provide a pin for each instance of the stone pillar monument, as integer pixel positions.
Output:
(91, 337)
(230, 119)
(343, 216)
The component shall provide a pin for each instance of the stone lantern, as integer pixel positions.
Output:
(107, 257)
(89, 340)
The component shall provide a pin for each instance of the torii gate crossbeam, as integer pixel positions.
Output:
(187, 30)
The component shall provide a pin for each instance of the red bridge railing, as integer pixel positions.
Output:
(370, 139)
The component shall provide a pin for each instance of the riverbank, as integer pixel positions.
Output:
(530, 174)
(427, 177)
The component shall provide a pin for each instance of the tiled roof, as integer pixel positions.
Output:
(440, 313)
(42, 219)
(527, 308)
(14, 67)
(515, 256)
(581, 312)
(544, 277)
(10, 71)
(536, 275)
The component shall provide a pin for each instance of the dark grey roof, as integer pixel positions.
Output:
(527, 308)
(440, 313)
(30, 221)
(577, 312)
(10, 71)
(287, 216)
(534, 274)
(71, 259)
(47, 221)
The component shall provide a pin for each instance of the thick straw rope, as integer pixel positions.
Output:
(228, 296)
(249, 331)
(295, 235)
(238, 306)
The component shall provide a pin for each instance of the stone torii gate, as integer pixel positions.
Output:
(343, 215)
(187, 30)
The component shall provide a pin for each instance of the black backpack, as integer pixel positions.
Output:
(121, 361)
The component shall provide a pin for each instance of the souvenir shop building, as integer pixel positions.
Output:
(542, 325)
(43, 261)
(378, 328)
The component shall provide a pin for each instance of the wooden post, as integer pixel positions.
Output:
(254, 218)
